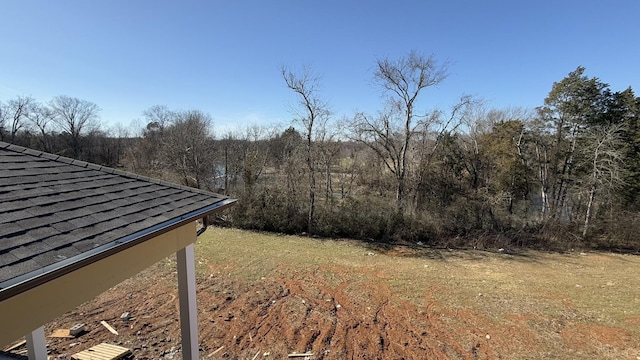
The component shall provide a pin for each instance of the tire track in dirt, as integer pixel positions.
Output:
(299, 313)
(323, 311)
(336, 312)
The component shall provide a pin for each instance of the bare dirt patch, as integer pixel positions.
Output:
(264, 297)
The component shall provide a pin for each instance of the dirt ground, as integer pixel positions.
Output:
(334, 311)
(271, 318)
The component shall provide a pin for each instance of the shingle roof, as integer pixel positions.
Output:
(54, 210)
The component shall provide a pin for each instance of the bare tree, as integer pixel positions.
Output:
(187, 148)
(603, 158)
(389, 135)
(314, 112)
(40, 117)
(16, 113)
(328, 148)
(253, 153)
(3, 120)
(158, 117)
(118, 139)
(75, 117)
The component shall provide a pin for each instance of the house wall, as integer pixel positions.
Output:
(27, 311)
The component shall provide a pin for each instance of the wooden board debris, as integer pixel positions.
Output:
(213, 353)
(102, 351)
(112, 330)
(61, 333)
(15, 346)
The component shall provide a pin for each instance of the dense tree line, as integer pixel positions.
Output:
(65, 125)
(563, 175)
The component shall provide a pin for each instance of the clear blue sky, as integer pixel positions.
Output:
(224, 57)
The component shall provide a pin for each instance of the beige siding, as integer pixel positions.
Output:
(25, 312)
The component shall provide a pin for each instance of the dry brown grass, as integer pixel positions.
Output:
(265, 293)
(538, 305)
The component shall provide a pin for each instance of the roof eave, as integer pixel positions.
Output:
(20, 284)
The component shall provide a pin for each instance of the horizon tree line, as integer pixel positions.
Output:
(514, 176)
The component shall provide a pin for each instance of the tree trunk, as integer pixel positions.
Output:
(312, 175)
(587, 218)
(543, 178)
(329, 189)
(312, 190)
(226, 170)
(400, 190)
(567, 168)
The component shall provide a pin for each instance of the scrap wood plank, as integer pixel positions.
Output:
(102, 351)
(112, 330)
(15, 346)
(61, 333)
(213, 353)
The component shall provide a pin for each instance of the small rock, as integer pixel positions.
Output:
(420, 243)
(488, 337)
(338, 306)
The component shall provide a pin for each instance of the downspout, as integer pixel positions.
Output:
(205, 224)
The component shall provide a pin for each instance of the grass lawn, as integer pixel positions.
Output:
(530, 305)
(264, 296)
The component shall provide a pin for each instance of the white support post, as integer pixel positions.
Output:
(188, 307)
(36, 344)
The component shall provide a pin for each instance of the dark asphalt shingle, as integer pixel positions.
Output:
(54, 208)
